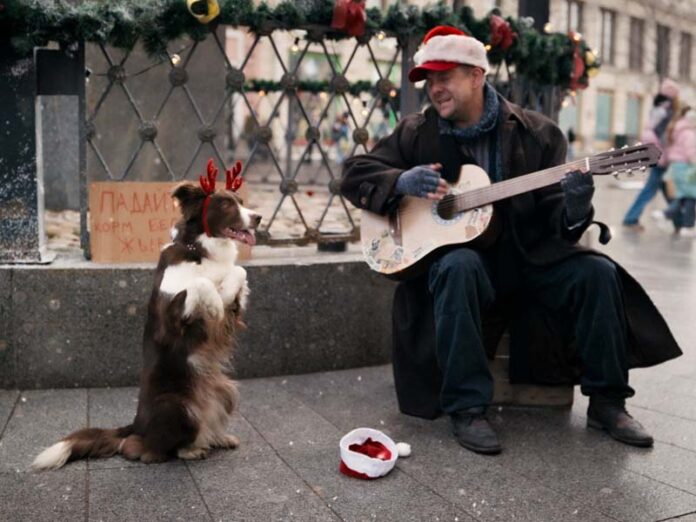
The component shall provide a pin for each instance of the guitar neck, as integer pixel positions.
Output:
(515, 186)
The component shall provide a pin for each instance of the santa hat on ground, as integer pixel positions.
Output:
(369, 454)
(446, 47)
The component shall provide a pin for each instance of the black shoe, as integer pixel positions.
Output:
(611, 416)
(471, 429)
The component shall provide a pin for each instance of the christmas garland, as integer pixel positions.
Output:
(549, 59)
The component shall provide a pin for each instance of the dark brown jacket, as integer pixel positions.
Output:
(541, 348)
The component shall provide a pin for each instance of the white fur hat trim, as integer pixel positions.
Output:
(453, 48)
(360, 463)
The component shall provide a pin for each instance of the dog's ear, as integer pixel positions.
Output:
(188, 192)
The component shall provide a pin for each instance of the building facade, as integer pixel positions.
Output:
(640, 42)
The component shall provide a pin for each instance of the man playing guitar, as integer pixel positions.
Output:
(574, 315)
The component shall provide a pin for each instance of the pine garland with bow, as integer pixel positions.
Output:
(542, 58)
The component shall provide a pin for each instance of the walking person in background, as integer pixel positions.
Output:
(339, 134)
(665, 108)
(681, 154)
(570, 135)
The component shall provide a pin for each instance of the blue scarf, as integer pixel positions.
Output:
(487, 123)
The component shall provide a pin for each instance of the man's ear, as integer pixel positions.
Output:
(479, 77)
(188, 192)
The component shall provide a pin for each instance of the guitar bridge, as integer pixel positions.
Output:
(395, 228)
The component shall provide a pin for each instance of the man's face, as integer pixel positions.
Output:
(452, 92)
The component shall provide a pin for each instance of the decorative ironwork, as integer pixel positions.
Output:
(160, 120)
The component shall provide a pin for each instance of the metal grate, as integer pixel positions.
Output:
(150, 120)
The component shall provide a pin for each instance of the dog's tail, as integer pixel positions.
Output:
(89, 442)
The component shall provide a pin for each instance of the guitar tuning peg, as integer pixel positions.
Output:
(625, 147)
(643, 168)
(615, 174)
(639, 144)
(612, 149)
(630, 173)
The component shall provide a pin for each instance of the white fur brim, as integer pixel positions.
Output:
(453, 48)
(360, 463)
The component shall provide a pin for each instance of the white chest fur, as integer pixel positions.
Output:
(219, 264)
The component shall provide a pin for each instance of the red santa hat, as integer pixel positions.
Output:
(446, 47)
(369, 454)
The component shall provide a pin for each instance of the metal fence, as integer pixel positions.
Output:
(291, 105)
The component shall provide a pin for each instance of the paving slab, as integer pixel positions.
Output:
(45, 497)
(158, 492)
(40, 419)
(252, 484)
(465, 479)
(309, 444)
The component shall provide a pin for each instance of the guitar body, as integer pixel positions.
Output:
(399, 245)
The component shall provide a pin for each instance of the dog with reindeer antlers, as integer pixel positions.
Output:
(186, 396)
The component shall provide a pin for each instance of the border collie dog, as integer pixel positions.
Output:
(186, 396)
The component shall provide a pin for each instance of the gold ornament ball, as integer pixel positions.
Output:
(592, 72)
(590, 58)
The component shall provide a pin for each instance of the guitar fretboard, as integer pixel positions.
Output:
(511, 187)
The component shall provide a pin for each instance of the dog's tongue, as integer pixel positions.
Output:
(245, 236)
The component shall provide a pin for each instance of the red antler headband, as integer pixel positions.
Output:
(233, 182)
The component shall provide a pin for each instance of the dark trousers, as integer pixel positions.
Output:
(585, 288)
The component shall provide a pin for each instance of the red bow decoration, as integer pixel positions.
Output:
(502, 35)
(234, 178)
(349, 16)
(577, 75)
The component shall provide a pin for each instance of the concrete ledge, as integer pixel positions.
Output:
(79, 324)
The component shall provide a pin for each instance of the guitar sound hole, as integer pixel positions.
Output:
(446, 208)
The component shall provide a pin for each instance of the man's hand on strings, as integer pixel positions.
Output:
(423, 181)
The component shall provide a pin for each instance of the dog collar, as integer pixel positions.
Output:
(206, 227)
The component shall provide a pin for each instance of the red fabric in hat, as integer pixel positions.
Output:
(421, 72)
(371, 448)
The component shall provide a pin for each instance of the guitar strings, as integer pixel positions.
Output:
(501, 188)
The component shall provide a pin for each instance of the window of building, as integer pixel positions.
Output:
(608, 26)
(605, 115)
(569, 115)
(574, 16)
(635, 47)
(685, 56)
(633, 116)
(662, 58)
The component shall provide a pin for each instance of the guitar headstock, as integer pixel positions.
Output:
(626, 159)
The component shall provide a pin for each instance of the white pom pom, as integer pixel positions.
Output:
(403, 449)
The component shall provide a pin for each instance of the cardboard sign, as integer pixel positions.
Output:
(131, 221)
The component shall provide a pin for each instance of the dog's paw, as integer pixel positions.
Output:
(243, 297)
(227, 441)
(234, 285)
(192, 453)
(202, 299)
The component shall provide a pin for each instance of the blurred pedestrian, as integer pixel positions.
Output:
(665, 108)
(570, 135)
(681, 153)
(339, 136)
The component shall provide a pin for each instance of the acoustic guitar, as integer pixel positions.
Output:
(398, 244)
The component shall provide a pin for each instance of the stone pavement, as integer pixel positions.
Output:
(552, 468)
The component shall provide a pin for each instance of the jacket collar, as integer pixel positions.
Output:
(512, 111)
